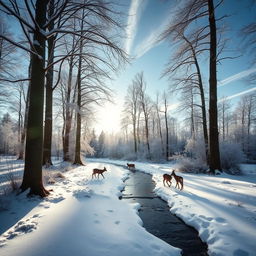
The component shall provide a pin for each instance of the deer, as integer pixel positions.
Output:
(99, 171)
(167, 178)
(179, 180)
(130, 166)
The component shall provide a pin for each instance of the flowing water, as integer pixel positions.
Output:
(157, 218)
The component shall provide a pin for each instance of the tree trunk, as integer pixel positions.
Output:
(213, 111)
(138, 129)
(78, 117)
(24, 130)
(223, 122)
(167, 131)
(202, 97)
(134, 135)
(193, 135)
(32, 177)
(68, 117)
(78, 113)
(205, 131)
(160, 130)
(147, 136)
(49, 94)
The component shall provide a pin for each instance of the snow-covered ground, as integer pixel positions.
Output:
(222, 208)
(85, 217)
(81, 217)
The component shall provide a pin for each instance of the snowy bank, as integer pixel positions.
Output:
(81, 217)
(222, 208)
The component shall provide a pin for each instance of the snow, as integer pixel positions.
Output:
(84, 216)
(222, 208)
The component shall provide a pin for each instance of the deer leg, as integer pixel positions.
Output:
(102, 175)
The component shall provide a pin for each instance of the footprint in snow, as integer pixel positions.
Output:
(225, 182)
(206, 218)
(220, 220)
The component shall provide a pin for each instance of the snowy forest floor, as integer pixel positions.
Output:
(85, 217)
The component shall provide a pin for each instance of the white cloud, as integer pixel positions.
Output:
(238, 94)
(152, 39)
(135, 11)
(237, 76)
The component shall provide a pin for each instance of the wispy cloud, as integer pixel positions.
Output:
(237, 76)
(238, 94)
(152, 39)
(135, 11)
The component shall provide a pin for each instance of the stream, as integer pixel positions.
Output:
(157, 218)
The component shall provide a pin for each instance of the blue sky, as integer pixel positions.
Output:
(147, 18)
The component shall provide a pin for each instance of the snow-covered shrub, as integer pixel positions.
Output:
(50, 176)
(193, 159)
(190, 165)
(231, 156)
(196, 149)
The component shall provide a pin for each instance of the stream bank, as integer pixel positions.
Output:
(157, 218)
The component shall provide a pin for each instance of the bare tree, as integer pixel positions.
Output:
(206, 38)
(36, 29)
(166, 125)
(146, 105)
(224, 119)
(131, 106)
(158, 111)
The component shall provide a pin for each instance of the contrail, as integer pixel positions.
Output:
(132, 23)
(238, 94)
(237, 76)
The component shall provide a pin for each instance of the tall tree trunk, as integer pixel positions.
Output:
(24, 130)
(49, 95)
(202, 97)
(213, 111)
(32, 177)
(160, 130)
(167, 131)
(134, 135)
(68, 116)
(223, 121)
(193, 135)
(78, 113)
(147, 136)
(205, 131)
(138, 129)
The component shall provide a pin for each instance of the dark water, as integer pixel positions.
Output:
(157, 218)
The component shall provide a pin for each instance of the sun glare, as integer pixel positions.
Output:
(108, 118)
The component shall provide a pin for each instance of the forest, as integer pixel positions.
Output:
(56, 57)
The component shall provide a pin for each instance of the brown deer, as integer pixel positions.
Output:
(98, 171)
(179, 180)
(167, 178)
(130, 166)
